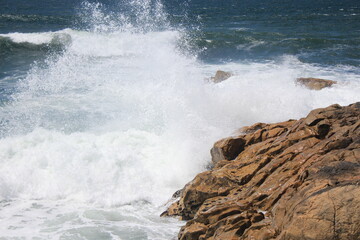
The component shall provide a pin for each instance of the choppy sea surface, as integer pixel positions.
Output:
(106, 110)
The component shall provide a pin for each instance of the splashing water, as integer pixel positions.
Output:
(98, 137)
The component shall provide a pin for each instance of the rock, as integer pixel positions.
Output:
(221, 76)
(329, 215)
(227, 149)
(193, 231)
(315, 83)
(290, 180)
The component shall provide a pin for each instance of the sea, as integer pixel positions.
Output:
(107, 107)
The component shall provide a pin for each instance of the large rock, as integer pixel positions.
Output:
(291, 180)
(315, 83)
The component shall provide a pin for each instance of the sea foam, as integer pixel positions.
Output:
(97, 138)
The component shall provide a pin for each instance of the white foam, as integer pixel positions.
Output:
(251, 45)
(36, 38)
(119, 129)
(121, 44)
(124, 118)
(68, 220)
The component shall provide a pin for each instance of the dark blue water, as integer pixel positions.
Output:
(106, 108)
(325, 32)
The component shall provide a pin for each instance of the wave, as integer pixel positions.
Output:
(123, 117)
(35, 41)
(122, 129)
(134, 103)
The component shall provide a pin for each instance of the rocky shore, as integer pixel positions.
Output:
(298, 179)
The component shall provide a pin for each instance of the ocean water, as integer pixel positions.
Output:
(106, 110)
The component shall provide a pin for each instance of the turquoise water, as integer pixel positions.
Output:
(106, 107)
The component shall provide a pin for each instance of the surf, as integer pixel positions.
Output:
(97, 137)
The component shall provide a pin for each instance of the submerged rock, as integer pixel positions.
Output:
(315, 83)
(220, 76)
(290, 180)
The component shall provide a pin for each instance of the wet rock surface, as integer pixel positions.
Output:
(315, 83)
(290, 180)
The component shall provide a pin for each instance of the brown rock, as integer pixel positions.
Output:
(291, 180)
(221, 76)
(227, 149)
(193, 231)
(315, 83)
(333, 213)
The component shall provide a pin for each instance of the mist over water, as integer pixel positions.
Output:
(118, 115)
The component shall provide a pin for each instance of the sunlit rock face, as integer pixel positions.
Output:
(289, 180)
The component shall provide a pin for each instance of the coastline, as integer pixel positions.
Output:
(109, 107)
(297, 179)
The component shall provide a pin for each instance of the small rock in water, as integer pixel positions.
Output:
(315, 83)
(221, 76)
